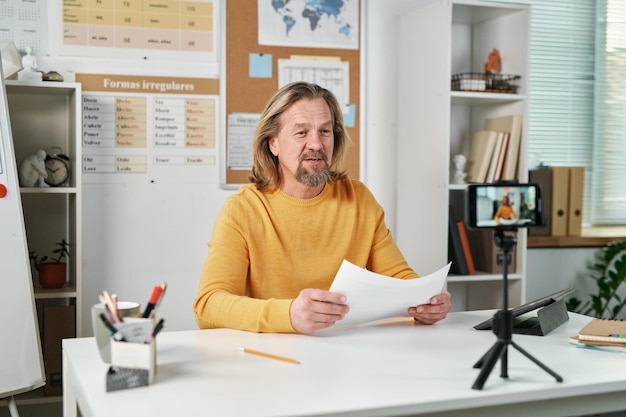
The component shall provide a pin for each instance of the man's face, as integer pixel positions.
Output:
(304, 145)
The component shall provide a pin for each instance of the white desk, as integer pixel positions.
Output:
(393, 369)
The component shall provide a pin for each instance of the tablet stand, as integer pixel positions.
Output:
(548, 318)
(503, 324)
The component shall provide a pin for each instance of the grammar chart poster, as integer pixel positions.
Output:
(149, 129)
(184, 30)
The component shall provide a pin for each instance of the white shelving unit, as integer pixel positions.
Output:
(45, 115)
(437, 39)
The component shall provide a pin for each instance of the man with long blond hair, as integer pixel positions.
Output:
(279, 241)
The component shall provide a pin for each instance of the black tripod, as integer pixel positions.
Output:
(503, 324)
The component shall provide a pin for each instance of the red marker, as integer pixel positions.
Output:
(155, 298)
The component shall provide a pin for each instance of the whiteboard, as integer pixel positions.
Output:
(21, 363)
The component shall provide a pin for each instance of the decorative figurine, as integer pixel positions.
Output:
(459, 163)
(33, 170)
(494, 62)
(29, 67)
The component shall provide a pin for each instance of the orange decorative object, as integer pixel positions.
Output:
(493, 61)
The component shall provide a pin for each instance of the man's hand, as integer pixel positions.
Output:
(315, 310)
(438, 309)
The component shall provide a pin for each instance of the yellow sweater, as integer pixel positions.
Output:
(267, 247)
(505, 212)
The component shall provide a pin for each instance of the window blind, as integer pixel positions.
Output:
(561, 86)
(608, 193)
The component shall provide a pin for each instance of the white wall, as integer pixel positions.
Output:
(553, 269)
(397, 127)
(140, 235)
(379, 53)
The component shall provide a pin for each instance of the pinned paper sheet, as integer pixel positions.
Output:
(373, 296)
(260, 66)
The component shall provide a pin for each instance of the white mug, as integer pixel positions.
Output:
(103, 338)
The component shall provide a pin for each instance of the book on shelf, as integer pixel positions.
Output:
(491, 174)
(604, 331)
(455, 246)
(513, 125)
(502, 156)
(501, 148)
(467, 251)
(479, 157)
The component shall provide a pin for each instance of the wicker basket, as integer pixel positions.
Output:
(486, 82)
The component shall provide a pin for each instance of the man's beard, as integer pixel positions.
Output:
(317, 176)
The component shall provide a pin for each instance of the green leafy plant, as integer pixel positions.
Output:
(62, 252)
(609, 273)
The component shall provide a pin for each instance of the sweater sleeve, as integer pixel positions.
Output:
(385, 257)
(222, 299)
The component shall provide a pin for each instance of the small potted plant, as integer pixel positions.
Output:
(52, 272)
(609, 273)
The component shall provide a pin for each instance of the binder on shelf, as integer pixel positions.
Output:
(513, 125)
(487, 256)
(575, 201)
(467, 251)
(59, 322)
(543, 177)
(479, 157)
(560, 191)
(455, 247)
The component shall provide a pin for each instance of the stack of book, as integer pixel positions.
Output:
(602, 333)
(494, 151)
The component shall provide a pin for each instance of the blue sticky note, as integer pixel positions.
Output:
(260, 66)
(349, 118)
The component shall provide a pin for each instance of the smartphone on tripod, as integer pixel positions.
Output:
(503, 205)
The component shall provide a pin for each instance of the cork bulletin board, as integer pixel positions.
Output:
(245, 94)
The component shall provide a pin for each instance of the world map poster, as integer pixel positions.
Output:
(309, 23)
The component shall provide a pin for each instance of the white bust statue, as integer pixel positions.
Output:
(29, 62)
(459, 164)
(33, 170)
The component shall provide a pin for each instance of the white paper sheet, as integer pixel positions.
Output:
(373, 296)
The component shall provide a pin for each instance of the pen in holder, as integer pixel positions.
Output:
(101, 329)
(133, 354)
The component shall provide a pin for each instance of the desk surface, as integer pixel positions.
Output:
(395, 368)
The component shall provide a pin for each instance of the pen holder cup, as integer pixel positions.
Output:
(100, 332)
(133, 360)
